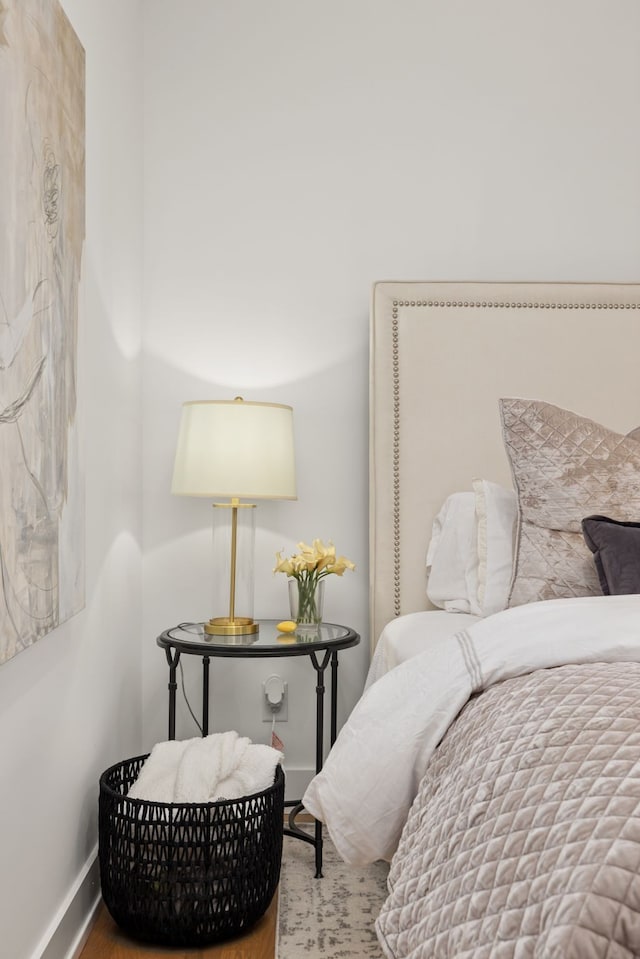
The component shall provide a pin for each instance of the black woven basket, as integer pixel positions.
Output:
(187, 874)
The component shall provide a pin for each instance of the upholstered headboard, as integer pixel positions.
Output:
(442, 354)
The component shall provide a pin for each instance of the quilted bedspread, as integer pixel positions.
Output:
(370, 778)
(524, 838)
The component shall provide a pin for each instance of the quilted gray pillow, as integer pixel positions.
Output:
(564, 467)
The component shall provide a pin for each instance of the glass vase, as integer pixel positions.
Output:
(305, 601)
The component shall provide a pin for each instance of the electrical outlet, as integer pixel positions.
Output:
(276, 686)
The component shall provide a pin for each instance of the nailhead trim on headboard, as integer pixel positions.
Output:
(396, 460)
(520, 306)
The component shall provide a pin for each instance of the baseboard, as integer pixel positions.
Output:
(69, 930)
(301, 819)
(296, 781)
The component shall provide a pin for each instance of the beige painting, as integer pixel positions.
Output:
(41, 242)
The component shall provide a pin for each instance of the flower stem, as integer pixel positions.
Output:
(309, 599)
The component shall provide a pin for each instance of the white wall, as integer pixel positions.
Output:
(70, 705)
(296, 153)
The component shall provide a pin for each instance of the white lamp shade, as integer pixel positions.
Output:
(234, 448)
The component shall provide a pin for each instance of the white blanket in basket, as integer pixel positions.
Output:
(209, 769)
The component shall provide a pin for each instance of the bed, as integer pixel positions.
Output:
(494, 758)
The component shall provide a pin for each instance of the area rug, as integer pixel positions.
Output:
(332, 917)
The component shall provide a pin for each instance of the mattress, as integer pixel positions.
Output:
(410, 635)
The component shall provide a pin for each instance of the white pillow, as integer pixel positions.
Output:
(496, 519)
(470, 555)
(452, 555)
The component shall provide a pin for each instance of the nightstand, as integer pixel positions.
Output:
(320, 643)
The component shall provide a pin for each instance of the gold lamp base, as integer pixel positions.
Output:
(225, 626)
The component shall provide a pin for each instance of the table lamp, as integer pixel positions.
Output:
(236, 450)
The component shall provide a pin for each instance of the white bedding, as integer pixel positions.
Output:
(367, 785)
(410, 635)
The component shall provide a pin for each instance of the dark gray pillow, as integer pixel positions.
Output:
(616, 551)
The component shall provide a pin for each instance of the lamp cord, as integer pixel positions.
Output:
(184, 691)
(186, 699)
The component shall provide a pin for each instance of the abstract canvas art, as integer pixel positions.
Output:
(42, 158)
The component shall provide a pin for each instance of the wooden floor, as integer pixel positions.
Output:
(107, 942)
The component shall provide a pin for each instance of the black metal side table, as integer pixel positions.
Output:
(326, 639)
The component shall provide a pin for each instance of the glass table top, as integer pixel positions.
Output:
(267, 641)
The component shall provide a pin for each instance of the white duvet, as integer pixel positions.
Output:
(364, 792)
